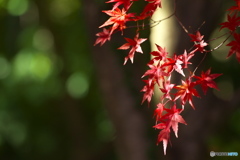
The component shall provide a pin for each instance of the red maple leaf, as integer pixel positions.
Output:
(148, 89)
(174, 63)
(235, 47)
(156, 72)
(170, 119)
(198, 41)
(235, 8)
(200, 46)
(150, 8)
(174, 116)
(161, 54)
(164, 136)
(156, 2)
(125, 3)
(158, 112)
(167, 87)
(161, 125)
(206, 80)
(186, 91)
(196, 37)
(103, 37)
(118, 19)
(135, 44)
(232, 24)
(185, 57)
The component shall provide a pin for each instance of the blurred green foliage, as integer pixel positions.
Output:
(47, 80)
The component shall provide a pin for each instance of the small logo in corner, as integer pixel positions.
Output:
(212, 154)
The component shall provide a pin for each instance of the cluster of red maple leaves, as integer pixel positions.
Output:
(163, 65)
(232, 24)
(161, 69)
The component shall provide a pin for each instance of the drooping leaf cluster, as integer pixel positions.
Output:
(233, 22)
(163, 65)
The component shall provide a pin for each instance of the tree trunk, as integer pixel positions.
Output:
(120, 103)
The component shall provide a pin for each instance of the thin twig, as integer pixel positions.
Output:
(199, 63)
(180, 23)
(221, 42)
(159, 21)
(201, 26)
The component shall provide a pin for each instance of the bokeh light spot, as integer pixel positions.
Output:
(105, 130)
(40, 66)
(60, 9)
(32, 64)
(17, 7)
(21, 63)
(43, 40)
(77, 85)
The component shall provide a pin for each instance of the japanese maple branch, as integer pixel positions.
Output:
(171, 15)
